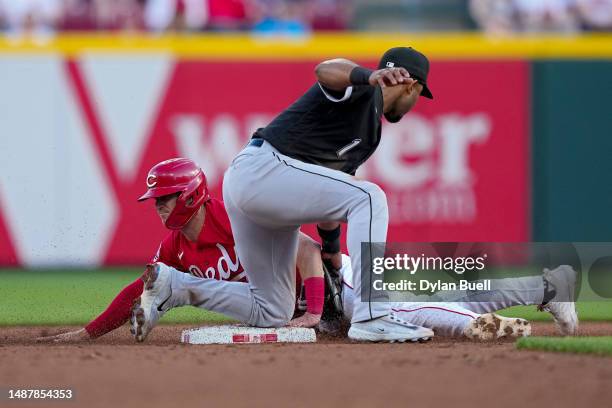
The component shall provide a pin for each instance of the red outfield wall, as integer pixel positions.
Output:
(454, 169)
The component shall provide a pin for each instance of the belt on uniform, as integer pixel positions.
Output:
(256, 142)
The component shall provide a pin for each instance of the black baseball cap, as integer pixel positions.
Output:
(415, 63)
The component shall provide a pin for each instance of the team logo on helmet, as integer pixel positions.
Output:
(151, 181)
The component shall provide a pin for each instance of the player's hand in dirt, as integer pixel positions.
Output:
(306, 320)
(69, 337)
(391, 77)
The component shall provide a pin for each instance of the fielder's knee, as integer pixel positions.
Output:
(375, 197)
(271, 321)
(266, 317)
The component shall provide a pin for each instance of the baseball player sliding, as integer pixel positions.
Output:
(200, 249)
(476, 319)
(200, 244)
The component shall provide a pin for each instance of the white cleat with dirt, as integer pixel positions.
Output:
(562, 307)
(153, 302)
(490, 326)
(389, 328)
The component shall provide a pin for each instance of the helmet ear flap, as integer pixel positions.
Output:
(191, 199)
(193, 193)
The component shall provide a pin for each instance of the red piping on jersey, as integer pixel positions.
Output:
(344, 282)
(424, 307)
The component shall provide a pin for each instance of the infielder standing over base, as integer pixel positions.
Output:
(299, 170)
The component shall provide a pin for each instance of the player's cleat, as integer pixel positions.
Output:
(389, 328)
(153, 302)
(490, 326)
(562, 306)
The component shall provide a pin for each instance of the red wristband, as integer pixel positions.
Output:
(315, 294)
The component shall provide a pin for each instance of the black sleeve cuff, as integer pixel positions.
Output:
(360, 76)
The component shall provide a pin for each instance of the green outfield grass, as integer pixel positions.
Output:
(583, 345)
(587, 311)
(75, 297)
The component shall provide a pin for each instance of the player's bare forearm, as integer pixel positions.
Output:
(311, 270)
(335, 74)
(309, 258)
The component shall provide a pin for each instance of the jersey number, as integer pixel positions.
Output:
(348, 147)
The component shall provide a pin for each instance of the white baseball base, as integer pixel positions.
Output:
(237, 334)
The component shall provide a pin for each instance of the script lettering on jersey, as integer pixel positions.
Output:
(225, 267)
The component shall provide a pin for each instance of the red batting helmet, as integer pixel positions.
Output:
(174, 176)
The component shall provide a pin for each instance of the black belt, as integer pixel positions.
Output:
(256, 142)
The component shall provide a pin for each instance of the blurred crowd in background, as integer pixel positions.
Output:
(299, 17)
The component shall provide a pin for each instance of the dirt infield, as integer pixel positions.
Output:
(162, 373)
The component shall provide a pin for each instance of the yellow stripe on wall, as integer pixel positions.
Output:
(241, 46)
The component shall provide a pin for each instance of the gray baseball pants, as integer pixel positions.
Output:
(268, 196)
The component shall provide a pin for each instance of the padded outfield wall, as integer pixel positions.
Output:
(82, 119)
